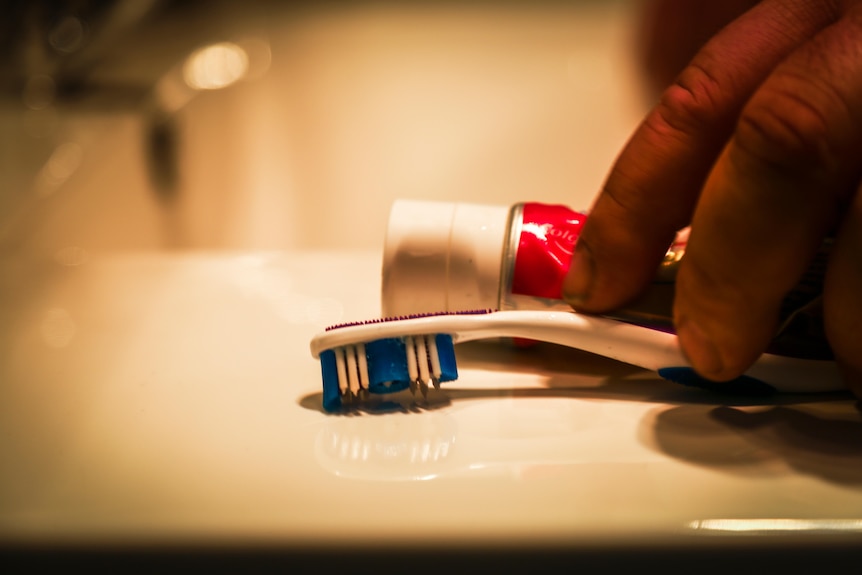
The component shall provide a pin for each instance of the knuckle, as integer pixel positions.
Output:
(690, 103)
(787, 129)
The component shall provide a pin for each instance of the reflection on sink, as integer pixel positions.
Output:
(507, 436)
(392, 448)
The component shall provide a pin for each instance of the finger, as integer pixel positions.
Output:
(774, 194)
(843, 296)
(652, 189)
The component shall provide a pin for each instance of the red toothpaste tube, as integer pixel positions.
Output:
(448, 256)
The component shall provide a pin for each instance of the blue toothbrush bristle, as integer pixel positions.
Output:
(386, 366)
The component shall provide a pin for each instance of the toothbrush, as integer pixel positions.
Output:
(415, 352)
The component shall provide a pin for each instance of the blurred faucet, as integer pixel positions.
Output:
(61, 52)
(147, 57)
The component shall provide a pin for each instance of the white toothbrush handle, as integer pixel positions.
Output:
(644, 347)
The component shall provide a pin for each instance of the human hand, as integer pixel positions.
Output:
(758, 146)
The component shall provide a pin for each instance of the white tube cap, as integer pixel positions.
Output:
(442, 256)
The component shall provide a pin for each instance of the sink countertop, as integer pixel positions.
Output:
(152, 398)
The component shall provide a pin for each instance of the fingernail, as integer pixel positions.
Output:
(578, 282)
(699, 348)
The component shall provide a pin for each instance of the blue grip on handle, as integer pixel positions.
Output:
(742, 385)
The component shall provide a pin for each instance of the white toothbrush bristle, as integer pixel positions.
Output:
(363, 365)
(351, 364)
(410, 350)
(341, 369)
(352, 373)
(422, 360)
(434, 356)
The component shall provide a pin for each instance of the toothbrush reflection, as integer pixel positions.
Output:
(395, 449)
(512, 438)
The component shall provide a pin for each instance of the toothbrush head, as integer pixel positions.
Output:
(388, 365)
(362, 362)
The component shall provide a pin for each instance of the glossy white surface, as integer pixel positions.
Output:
(157, 397)
(156, 384)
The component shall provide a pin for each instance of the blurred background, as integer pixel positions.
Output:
(265, 125)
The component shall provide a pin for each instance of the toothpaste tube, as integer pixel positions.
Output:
(447, 256)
